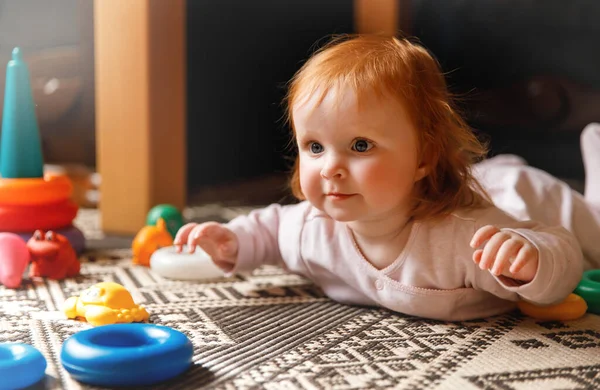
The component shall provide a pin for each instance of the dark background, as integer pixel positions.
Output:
(240, 55)
(527, 75)
(527, 72)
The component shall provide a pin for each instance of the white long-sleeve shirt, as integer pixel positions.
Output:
(434, 276)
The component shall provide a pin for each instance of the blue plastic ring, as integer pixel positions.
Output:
(21, 365)
(135, 354)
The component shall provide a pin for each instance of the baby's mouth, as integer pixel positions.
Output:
(339, 195)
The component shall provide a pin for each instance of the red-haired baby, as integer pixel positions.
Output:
(391, 214)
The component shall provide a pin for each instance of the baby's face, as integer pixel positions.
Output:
(357, 162)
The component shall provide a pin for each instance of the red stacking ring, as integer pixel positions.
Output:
(49, 216)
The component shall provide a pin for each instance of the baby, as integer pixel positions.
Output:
(391, 214)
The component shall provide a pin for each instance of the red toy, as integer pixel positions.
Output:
(52, 256)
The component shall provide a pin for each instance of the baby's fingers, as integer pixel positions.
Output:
(214, 238)
(482, 235)
(182, 235)
(526, 254)
(201, 235)
(216, 232)
(507, 251)
(491, 248)
(477, 255)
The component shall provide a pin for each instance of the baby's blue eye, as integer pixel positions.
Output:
(316, 148)
(361, 145)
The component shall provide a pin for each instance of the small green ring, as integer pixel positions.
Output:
(589, 289)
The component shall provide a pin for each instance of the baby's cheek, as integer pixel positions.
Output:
(376, 176)
(309, 180)
(385, 182)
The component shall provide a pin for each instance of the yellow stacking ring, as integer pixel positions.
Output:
(571, 308)
(35, 191)
(50, 216)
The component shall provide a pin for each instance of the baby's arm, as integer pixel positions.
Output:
(248, 241)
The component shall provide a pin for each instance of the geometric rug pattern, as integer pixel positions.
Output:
(274, 330)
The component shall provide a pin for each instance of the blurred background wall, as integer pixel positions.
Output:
(56, 38)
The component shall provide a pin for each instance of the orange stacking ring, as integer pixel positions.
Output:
(50, 216)
(35, 191)
(571, 308)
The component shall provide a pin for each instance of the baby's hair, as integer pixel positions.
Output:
(400, 69)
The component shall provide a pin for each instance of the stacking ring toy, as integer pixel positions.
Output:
(74, 235)
(184, 266)
(50, 216)
(35, 191)
(589, 289)
(126, 354)
(571, 308)
(21, 365)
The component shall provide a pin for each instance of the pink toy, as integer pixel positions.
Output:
(14, 258)
(52, 256)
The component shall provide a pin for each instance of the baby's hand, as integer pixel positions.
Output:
(499, 247)
(220, 243)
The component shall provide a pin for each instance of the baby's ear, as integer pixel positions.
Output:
(421, 172)
(426, 160)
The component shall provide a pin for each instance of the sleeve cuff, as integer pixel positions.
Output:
(244, 263)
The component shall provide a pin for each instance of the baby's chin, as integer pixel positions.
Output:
(345, 215)
(344, 220)
(340, 216)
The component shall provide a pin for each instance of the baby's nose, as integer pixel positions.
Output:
(333, 168)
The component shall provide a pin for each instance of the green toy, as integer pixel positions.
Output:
(170, 214)
(589, 289)
(20, 144)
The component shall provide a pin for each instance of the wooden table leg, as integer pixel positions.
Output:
(140, 108)
(376, 16)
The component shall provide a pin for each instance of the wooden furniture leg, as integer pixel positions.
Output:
(376, 16)
(140, 108)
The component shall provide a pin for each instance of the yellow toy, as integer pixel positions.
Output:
(105, 303)
(571, 308)
(149, 239)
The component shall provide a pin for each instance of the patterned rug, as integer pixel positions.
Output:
(273, 330)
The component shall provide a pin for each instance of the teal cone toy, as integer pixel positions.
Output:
(20, 144)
